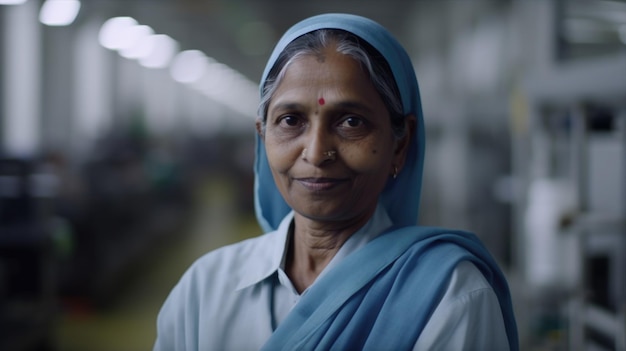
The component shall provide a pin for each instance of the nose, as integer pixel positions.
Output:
(319, 147)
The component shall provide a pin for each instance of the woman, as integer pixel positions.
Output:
(340, 151)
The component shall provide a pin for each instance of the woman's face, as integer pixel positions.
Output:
(327, 103)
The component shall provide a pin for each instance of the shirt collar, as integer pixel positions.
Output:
(272, 247)
(266, 255)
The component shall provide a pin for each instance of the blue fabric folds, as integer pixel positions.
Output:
(381, 297)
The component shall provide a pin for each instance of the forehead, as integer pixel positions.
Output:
(328, 72)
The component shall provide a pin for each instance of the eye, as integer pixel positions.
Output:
(289, 121)
(352, 122)
(354, 127)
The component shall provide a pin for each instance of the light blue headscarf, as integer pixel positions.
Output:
(401, 196)
(371, 298)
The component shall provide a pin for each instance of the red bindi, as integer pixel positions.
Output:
(321, 101)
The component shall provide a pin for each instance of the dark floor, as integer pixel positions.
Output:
(128, 324)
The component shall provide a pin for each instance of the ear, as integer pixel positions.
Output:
(259, 128)
(402, 145)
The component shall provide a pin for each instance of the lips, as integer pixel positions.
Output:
(320, 184)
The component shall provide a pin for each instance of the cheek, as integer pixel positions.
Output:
(280, 156)
(369, 158)
(373, 168)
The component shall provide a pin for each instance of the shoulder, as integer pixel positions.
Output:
(465, 280)
(468, 315)
(231, 262)
(219, 273)
(202, 309)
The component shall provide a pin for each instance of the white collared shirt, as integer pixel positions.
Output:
(234, 297)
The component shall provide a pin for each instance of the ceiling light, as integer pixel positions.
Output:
(113, 33)
(12, 2)
(189, 66)
(138, 44)
(163, 49)
(59, 12)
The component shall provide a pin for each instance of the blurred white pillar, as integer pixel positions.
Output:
(160, 101)
(57, 88)
(127, 93)
(93, 94)
(22, 79)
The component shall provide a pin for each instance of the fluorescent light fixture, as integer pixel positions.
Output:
(139, 45)
(229, 87)
(163, 50)
(59, 12)
(215, 80)
(12, 2)
(189, 66)
(113, 33)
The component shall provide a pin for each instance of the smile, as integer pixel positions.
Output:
(320, 184)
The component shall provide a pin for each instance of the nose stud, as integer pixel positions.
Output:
(330, 155)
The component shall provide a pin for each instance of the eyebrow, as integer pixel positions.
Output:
(347, 105)
(353, 105)
(287, 106)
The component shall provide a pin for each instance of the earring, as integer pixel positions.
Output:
(303, 155)
(395, 172)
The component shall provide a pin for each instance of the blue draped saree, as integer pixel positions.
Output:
(382, 296)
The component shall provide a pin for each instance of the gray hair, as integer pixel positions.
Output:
(371, 61)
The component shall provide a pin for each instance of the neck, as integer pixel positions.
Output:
(313, 246)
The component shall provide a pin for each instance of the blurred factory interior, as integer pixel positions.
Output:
(126, 150)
